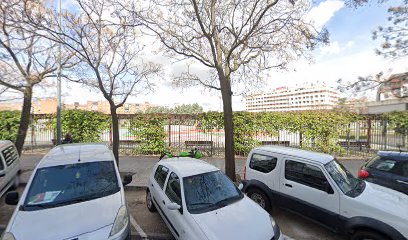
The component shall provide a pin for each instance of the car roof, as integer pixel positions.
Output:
(4, 143)
(314, 156)
(73, 153)
(186, 166)
(399, 156)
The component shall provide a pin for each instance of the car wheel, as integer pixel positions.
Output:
(16, 182)
(149, 202)
(260, 198)
(368, 235)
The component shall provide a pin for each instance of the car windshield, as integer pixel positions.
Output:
(350, 185)
(68, 184)
(209, 191)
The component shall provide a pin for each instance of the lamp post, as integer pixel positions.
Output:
(59, 83)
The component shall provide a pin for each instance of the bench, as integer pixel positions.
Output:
(282, 143)
(129, 143)
(354, 144)
(200, 145)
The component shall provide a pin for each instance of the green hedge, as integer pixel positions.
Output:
(84, 126)
(320, 130)
(149, 132)
(9, 122)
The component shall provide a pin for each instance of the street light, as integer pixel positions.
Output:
(59, 84)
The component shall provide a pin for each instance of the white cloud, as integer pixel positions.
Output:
(332, 48)
(322, 14)
(349, 44)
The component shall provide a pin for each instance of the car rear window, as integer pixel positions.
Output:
(262, 163)
(161, 174)
(383, 164)
(73, 183)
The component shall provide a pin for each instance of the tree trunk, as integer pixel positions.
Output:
(115, 134)
(228, 128)
(24, 120)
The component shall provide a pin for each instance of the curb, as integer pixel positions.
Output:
(135, 188)
(153, 236)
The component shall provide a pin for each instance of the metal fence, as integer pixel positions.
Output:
(360, 138)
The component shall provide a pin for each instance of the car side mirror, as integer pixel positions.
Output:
(12, 198)
(2, 173)
(327, 188)
(127, 179)
(173, 206)
(240, 186)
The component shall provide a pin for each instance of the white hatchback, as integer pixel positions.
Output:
(75, 192)
(197, 201)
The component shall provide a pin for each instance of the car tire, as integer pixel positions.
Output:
(368, 235)
(260, 198)
(149, 202)
(16, 182)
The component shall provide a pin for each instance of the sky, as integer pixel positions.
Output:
(350, 54)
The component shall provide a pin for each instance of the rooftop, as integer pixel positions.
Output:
(4, 143)
(400, 156)
(315, 156)
(71, 153)
(186, 166)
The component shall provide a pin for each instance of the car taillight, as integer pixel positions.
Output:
(244, 172)
(363, 174)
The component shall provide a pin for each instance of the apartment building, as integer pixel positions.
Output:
(49, 106)
(292, 99)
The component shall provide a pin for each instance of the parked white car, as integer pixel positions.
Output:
(318, 187)
(9, 167)
(75, 192)
(197, 201)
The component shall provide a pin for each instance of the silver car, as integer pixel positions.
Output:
(75, 192)
(9, 167)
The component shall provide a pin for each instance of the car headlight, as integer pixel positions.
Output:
(8, 236)
(276, 229)
(121, 220)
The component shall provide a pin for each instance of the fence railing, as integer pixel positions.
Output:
(360, 138)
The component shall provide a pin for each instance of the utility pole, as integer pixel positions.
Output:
(59, 83)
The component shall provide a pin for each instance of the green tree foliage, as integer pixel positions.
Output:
(398, 121)
(181, 109)
(83, 126)
(9, 122)
(319, 130)
(149, 130)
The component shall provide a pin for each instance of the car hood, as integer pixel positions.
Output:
(243, 219)
(385, 198)
(68, 221)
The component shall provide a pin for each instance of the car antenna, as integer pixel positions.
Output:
(79, 154)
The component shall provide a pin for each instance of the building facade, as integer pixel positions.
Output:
(49, 106)
(292, 99)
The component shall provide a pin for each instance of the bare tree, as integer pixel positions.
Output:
(235, 39)
(109, 52)
(27, 59)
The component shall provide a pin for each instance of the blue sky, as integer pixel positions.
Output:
(349, 55)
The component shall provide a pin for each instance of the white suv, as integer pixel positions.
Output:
(9, 167)
(318, 187)
(198, 202)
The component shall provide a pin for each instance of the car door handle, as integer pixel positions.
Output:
(152, 185)
(288, 185)
(402, 182)
(164, 202)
